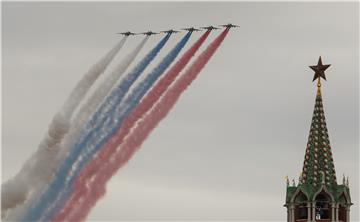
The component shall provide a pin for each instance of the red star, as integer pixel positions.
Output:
(319, 69)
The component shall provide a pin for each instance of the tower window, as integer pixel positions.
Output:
(322, 206)
(301, 210)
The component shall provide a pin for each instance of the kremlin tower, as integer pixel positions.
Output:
(318, 197)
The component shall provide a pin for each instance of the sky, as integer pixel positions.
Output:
(224, 150)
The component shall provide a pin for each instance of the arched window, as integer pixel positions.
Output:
(301, 211)
(322, 206)
(342, 208)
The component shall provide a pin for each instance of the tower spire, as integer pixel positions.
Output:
(318, 157)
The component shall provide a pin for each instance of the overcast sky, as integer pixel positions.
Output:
(241, 127)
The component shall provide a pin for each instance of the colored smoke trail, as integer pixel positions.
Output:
(79, 199)
(97, 127)
(129, 104)
(95, 100)
(39, 168)
(137, 136)
(87, 81)
(80, 118)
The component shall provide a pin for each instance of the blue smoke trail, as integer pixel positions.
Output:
(48, 198)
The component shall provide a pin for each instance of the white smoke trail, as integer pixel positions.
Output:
(89, 78)
(40, 166)
(81, 116)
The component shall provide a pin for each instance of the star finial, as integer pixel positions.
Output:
(319, 70)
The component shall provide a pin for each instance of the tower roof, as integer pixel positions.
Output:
(318, 164)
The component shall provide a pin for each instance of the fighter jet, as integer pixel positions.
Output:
(229, 25)
(126, 33)
(209, 27)
(191, 29)
(170, 31)
(149, 33)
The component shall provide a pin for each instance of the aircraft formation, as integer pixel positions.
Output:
(171, 31)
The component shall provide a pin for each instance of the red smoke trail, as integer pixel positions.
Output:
(115, 158)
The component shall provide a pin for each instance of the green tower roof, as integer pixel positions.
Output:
(318, 161)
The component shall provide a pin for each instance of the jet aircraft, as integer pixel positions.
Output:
(209, 27)
(191, 29)
(149, 33)
(170, 31)
(229, 25)
(126, 33)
